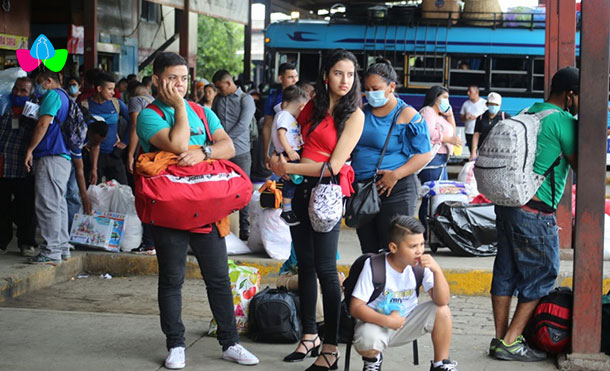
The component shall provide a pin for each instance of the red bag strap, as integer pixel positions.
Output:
(201, 114)
(199, 111)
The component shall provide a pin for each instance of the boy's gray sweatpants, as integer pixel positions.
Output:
(51, 182)
(369, 336)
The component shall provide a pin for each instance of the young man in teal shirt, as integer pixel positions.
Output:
(48, 156)
(174, 132)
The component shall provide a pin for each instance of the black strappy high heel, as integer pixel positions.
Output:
(328, 366)
(298, 356)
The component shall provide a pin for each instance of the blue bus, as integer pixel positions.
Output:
(505, 57)
(507, 60)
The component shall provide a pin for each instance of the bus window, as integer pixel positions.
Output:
(425, 70)
(509, 74)
(538, 75)
(309, 67)
(284, 57)
(467, 70)
(395, 59)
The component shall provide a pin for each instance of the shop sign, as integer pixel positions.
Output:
(13, 42)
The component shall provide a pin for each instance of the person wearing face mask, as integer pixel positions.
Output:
(527, 261)
(73, 87)
(406, 153)
(16, 187)
(487, 121)
(438, 114)
(50, 158)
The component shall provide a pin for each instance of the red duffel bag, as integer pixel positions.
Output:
(189, 197)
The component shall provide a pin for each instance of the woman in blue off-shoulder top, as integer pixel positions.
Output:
(407, 152)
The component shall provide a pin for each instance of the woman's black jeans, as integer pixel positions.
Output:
(316, 256)
(211, 253)
(374, 236)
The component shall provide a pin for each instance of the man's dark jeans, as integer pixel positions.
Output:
(19, 210)
(211, 253)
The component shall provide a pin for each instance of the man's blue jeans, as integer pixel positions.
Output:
(527, 262)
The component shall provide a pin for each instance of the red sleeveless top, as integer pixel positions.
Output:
(323, 139)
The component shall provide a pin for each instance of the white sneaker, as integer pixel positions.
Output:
(175, 359)
(239, 354)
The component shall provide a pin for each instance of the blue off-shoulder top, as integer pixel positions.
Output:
(406, 140)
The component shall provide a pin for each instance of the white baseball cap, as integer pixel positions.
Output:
(494, 98)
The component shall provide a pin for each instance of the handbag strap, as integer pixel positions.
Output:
(387, 139)
(332, 175)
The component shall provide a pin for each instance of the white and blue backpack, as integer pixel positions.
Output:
(504, 168)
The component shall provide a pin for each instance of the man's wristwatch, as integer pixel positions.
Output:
(207, 151)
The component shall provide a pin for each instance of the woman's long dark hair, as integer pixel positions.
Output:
(347, 104)
(432, 94)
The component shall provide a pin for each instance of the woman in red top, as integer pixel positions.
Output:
(331, 125)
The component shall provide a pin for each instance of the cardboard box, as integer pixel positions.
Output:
(102, 230)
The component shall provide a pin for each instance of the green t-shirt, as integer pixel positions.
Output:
(150, 123)
(557, 136)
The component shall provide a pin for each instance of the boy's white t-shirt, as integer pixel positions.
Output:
(402, 285)
(284, 120)
(476, 109)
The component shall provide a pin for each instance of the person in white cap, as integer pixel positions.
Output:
(486, 121)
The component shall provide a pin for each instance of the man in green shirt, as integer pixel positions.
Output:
(527, 261)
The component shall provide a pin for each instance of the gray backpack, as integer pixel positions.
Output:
(504, 168)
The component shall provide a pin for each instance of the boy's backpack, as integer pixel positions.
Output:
(273, 317)
(74, 129)
(347, 322)
(504, 169)
(550, 328)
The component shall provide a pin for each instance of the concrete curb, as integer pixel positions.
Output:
(26, 278)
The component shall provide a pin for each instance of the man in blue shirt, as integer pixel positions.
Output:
(109, 163)
(288, 75)
(52, 169)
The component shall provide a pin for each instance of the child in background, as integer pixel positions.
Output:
(287, 140)
(376, 330)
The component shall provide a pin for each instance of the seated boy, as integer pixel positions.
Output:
(376, 329)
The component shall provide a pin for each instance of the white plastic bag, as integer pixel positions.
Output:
(123, 201)
(101, 195)
(255, 241)
(275, 235)
(466, 175)
(606, 236)
(117, 198)
(235, 246)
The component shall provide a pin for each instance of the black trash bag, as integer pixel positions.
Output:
(467, 229)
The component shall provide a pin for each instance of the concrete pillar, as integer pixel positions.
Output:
(90, 20)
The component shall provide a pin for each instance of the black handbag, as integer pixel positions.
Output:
(364, 204)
